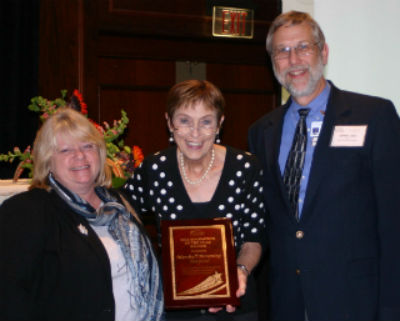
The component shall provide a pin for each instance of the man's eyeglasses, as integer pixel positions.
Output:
(302, 49)
(184, 126)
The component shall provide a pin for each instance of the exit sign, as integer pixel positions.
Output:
(233, 22)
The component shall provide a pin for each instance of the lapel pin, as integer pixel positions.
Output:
(82, 229)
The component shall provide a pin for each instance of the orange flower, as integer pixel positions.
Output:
(83, 105)
(137, 155)
(98, 127)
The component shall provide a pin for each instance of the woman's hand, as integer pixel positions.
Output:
(248, 258)
(242, 282)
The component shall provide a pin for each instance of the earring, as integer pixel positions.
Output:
(217, 140)
(171, 138)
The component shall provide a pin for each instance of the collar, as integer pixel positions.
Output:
(317, 105)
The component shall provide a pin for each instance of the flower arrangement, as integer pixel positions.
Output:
(122, 159)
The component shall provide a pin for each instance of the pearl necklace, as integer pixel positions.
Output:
(182, 163)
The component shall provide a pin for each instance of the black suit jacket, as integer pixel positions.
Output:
(49, 269)
(341, 261)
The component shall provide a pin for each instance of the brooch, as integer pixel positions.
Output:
(82, 229)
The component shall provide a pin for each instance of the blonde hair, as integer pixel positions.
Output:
(66, 121)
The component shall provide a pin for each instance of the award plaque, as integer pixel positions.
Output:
(199, 263)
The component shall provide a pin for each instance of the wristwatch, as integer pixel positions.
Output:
(243, 268)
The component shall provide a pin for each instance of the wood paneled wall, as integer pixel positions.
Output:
(121, 54)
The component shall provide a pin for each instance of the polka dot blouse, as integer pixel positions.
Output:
(157, 187)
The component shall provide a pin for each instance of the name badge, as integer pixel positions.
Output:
(315, 131)
(349, 136)
(315, 128)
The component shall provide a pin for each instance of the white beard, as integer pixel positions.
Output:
(315, 75)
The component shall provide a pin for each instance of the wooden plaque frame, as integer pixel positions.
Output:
(199, 263)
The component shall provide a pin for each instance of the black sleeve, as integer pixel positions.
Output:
(22, 244)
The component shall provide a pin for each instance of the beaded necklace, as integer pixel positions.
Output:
(186, 178)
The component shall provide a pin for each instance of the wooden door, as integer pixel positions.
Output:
(135, 55)
(124, 54)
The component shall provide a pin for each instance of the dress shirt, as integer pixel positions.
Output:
(316, 114)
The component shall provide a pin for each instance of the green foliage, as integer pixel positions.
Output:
(122, 159)
(47, 107)
(25, 159)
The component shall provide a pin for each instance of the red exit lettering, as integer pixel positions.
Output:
(234, 22)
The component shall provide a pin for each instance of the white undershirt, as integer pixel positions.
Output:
(120, 275)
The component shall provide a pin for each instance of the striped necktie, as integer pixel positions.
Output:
(295, 161)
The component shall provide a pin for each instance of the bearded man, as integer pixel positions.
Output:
(331, 162)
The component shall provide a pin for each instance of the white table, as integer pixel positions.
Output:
(9, 188)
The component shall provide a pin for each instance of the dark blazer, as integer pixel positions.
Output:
(342, 260)
(49, 270)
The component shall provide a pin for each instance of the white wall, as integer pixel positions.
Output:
(364, 42)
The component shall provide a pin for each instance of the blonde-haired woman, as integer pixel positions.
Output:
(70, 249)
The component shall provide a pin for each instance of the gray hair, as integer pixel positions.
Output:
(293, 18)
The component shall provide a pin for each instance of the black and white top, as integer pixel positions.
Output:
(157, 186)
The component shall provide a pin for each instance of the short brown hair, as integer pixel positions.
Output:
(65, 121)
(293, 18)
(189, 92)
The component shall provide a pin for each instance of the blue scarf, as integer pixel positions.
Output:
(146, 296)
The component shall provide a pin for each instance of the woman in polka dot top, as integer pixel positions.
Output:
(198, 178)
